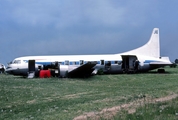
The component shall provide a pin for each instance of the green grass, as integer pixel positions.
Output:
(54, 98)
(158, 111)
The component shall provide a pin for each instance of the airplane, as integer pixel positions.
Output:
(142, 59)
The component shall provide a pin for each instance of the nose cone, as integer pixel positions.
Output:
(16, 69)
(8, 69)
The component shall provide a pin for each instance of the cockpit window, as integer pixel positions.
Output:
(16, 61)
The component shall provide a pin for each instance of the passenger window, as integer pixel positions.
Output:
(70, 63)
(66, 62)
(77, 63)
(62, 63)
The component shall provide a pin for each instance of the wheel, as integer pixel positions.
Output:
(161, 71)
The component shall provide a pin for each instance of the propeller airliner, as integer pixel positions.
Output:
(142, 59)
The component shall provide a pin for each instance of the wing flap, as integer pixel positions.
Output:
(83, 70)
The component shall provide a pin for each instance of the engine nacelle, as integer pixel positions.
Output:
(64, 69)
(143, 67)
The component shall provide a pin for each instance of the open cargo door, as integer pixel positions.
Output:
(129, 63)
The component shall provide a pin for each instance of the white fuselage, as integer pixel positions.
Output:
(19, 66)
(144, 58)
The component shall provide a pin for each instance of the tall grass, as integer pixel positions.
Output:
(55, 98)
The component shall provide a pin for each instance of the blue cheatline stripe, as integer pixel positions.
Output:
(25, 61)
(77, 62)
(43, 63)
(148, 61)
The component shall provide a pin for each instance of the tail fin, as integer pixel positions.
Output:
(151, 48)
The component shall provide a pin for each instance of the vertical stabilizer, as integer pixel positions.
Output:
(151, 48)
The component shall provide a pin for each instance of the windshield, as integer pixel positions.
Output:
(16, 62)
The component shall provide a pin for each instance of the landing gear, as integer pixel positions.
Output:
(161, 70)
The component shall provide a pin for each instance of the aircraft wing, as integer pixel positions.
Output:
(83, 70)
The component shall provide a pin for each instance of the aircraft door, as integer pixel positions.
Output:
(102, 62)
(81, 62)
(129, 63)
(31, 65)
(107, 65)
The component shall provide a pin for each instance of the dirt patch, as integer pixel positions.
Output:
(76, 95)
(31, 101)
(167, 98)
(108, 113)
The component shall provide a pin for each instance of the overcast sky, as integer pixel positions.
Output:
(55, 27)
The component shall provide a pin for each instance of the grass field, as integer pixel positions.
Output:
(123, 96)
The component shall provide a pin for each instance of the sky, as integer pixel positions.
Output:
(75, 27)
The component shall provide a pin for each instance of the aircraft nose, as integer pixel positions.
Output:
(8, 69)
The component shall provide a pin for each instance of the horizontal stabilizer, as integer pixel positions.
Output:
(165, 58)
(165, 61)
(161, 63)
